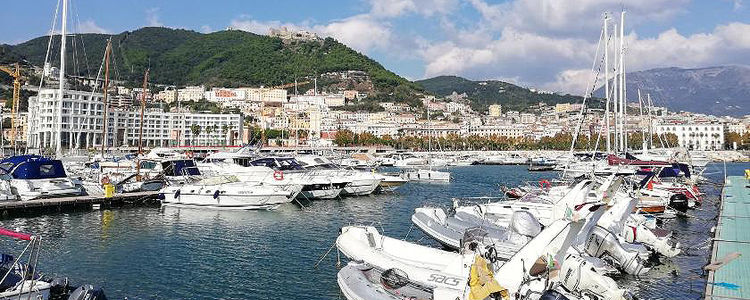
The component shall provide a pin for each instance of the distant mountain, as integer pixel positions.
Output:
(722, 90)
(487, 92)
(227, 58)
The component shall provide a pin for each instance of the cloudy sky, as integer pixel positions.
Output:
(546, 44)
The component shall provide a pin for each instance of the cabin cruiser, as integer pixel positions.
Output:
(225, 192)
(251, 174)
(360, 183)
(315, 184)
(35, 177)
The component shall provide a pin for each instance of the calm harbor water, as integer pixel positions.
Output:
(168, 253)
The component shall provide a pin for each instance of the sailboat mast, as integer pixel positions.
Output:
(650, 121)
(104, 99)
(623, 132)
(606, 82)
(643, 132)
(61, 89)
(143, 108)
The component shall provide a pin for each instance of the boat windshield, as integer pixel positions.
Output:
(180, 168)
(283, 164)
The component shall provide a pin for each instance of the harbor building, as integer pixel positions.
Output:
(696, 136)
(80, 124)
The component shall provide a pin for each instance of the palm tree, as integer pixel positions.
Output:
(224, 130)
(196, 130)
(209, 129)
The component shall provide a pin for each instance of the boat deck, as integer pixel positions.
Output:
(58, 204)
(729, 268)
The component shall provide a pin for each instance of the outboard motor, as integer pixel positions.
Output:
(59, 288)
(601, 243)
(679, 202)
(87, 292)
(552, 295)
(580, 277)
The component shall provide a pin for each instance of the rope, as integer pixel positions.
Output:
(324, 255)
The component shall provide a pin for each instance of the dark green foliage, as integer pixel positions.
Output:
(226, 58)
(510, 96)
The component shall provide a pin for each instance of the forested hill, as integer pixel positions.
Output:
(487, 92)
(228, 58)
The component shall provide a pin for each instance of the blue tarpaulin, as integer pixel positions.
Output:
(33, 167)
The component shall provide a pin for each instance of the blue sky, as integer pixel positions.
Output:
(548, 44)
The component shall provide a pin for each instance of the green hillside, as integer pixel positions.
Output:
(225, 58)
(484, 93)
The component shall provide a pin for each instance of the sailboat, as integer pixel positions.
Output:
(428, 175)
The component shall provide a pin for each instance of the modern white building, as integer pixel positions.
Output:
(696, 136)
(81, 125)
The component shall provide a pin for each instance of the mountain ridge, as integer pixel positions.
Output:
(483, 93)
(717, 90)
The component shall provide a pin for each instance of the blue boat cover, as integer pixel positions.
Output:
(32, 167)
(180, 167)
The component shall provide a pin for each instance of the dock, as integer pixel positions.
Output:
(729, 267)
(41, 206)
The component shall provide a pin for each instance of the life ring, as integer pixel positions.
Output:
(278, 175)
(105, 180)
(544, 184)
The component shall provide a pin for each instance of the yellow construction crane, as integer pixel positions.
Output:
(16, 74)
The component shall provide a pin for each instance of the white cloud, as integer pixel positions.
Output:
(563, 18)
(246, 23)
(89, 26)
(152, 17)
(360, 32)
(206, 29)
(395, 8)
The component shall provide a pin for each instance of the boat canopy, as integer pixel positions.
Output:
(32, 167)
(180, 167)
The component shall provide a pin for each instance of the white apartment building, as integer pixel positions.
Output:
(265, 94)
(191, 93)
(738, 128)
(81, 125)
(512, 131)
(696, 136)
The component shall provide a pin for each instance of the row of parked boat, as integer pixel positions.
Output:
(555, 239)
(226, 180)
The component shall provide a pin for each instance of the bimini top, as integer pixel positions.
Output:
(32, 167)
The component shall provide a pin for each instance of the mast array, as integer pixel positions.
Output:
(61, 88)
(143, 107)
(105, 101)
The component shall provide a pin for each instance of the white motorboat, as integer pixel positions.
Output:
(360, 182)
(225, 192)
(316, 184)
(35, 177)
(427, 175)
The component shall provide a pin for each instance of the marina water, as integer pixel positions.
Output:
(170, 253)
